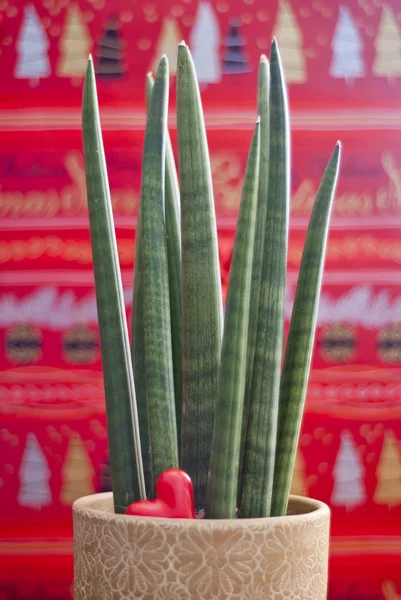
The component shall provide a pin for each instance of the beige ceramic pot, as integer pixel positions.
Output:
(123, 558)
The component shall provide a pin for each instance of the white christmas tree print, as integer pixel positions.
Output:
(349, 489)
(32, 47)
(204, 43)
(169, 39)
(347, 46)
(289, 38)
(75, 45)
(34, 474)
(387, 62)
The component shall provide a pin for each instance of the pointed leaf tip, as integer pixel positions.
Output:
(89, 64)
(274, 51)
(90, 78)
(337, 151)
(263, 58)
(163, 61)
(163, 68)
(184, 53)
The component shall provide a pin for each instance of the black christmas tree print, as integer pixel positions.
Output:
(105, 484)
(110, 52)
(234, 57)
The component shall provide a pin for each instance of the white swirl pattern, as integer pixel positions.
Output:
(128, 558)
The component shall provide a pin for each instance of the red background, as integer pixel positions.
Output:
(46, 279)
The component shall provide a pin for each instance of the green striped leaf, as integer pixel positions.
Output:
(201, 285)
(139, 362)
(263, 409)
(301, 334)
(223, 470)
(263, 111)
(122, 419)
(138, 349)
(173, 233)
(156, 296)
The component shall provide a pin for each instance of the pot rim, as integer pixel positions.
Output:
(314, 509)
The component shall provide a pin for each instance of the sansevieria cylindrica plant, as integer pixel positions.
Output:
(207, 391)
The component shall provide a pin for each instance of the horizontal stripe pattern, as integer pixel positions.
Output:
(131, 120)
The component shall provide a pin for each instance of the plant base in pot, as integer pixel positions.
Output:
(118, 557)
(202, 390)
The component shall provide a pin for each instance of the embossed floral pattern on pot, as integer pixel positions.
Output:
(127, 558)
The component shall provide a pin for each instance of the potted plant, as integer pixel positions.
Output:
(214, 399)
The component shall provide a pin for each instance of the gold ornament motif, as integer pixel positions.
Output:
(389, 344)
(80, 345)
(337, 343)
(24, 344)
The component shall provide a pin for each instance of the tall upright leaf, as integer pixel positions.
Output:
(223, 469)
(257, 262)
(156, 295)
(263, 409)
(139, 362)
(201, 284)
(122, 418)
(138, 352)
(173, 233)
(301, 334)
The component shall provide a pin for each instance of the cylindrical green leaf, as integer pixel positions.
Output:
(201, 283)
(156, 296)
(173, 233)
(261, 436)
(139, 361)
(301, 334)
(257, 262)
(122, 419)
(173, 236)
(138, 356)
(223, 470)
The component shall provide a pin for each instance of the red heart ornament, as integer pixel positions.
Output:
(174, 498)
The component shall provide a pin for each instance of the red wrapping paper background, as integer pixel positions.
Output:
(50, 369)
(140, 28)
(42, 176)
